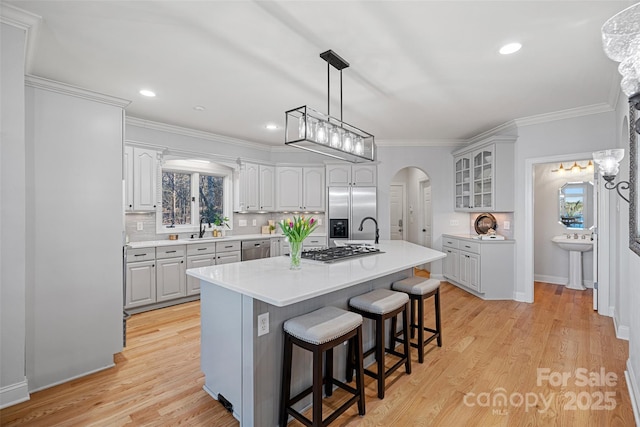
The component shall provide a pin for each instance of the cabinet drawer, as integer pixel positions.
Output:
(227, 246)
(141, 254)
(450, 243)
(201, 248)
(314, 242)
(469, 246)
(170, 251)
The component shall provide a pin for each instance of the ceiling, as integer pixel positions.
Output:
(420, 71)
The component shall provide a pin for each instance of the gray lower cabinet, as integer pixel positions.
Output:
(140, 277)
(199, 255)
(485, 268)
(228, 252)
(171, 273)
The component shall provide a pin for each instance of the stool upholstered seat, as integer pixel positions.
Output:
(319, 332)
(323, 325)
(380, 305)
(419, 289)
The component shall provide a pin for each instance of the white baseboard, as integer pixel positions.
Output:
(522, 297)
(622, 331)
(75, 377)
(634, 391)
(557, 280)
(14, 394)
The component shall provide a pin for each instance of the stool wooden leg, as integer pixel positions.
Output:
(438, 325)
(420, 330)
(328, 372)
(380, 351)
(359, 370)
(407, 344)
(413, 318)
(317, 388)
(286, 381)
(350, 364)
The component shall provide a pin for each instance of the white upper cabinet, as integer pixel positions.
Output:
(267, 188)
(353, 175)
(256, 188)
(484, 176)
(300, 188)
(140, 178)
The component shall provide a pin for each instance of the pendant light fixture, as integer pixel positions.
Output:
(311, 130)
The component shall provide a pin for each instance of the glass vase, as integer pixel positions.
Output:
(294, 255)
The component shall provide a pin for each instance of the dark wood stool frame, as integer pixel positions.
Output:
(419, 325)
(380, 348)
(355, 341)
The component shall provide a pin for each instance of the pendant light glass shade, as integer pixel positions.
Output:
(313, 131)
(621, 42)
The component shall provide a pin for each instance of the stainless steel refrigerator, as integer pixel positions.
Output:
(347, 206)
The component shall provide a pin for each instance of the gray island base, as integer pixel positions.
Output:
(243, 369)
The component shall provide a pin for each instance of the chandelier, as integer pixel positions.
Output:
(621, 42)
(324, 134)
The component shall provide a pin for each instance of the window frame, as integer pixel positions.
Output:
(195, 169)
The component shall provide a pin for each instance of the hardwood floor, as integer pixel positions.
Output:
(491, 349)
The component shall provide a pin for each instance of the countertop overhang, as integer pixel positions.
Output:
(270, 279)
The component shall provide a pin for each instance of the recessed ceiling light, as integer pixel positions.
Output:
(147, 92)
(510, 48)
(199, 108)
(271, 126)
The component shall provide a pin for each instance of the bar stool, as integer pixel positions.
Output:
(319, 332)
(380, 305)
(419, 289)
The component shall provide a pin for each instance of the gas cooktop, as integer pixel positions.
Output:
(340, 253)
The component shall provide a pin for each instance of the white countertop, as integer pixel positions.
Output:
(271, 281)
(476, 238)
(154, 243)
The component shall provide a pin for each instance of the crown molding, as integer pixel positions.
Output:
(420, 142)
(66, 89)
(27, 21)
(565, 114)
(179, 130)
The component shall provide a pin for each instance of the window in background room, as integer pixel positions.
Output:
(211, 191)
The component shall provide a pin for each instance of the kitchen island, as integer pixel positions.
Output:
(241, 364)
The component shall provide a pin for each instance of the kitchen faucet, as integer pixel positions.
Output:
(377, 229)
(202, 220)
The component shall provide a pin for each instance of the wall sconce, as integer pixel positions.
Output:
(608, 162)
(575, 168)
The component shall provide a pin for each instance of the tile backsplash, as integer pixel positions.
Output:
(148, 225)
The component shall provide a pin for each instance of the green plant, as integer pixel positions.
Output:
(220, 220)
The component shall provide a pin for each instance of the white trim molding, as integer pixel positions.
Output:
(67, 89)
(14, 394)
(178, 130)
(634, 391)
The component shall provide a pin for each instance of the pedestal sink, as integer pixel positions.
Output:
(575, 247)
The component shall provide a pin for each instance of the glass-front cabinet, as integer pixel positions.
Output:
(484, 176)
(463, 182)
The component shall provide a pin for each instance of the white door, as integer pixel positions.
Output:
(396, 197)
(426, 214)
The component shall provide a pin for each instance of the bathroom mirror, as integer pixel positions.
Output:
(576, 206)
(634, 175)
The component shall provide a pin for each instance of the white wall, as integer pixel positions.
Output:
(551, 263)
(13, 384)
(74, 241)
(583, 134)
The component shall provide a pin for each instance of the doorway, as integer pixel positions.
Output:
(410, 216)
(531, 231)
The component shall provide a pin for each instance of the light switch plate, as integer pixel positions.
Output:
(242, 223)
(506, 225)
